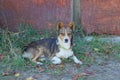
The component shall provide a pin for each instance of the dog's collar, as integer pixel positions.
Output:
(60, 46)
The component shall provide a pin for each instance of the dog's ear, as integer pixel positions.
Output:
(59, 25)
(72, 25)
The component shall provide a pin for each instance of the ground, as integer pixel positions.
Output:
(107, 70)
(100, 56)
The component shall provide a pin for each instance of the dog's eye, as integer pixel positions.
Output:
(62, 34)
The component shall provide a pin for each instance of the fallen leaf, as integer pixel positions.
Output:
(30, 78)
(83, 74)
(61, 66)
(17, 74)
(0, 56)
(76, 76)
(51, 66)
(90, 72)
(107, 51)
(6, 74)
(14, 72)
(40, 69)
(96, 49)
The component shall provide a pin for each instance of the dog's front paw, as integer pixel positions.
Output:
(56, 60)
(76, 60)
(79, 62)
(39, 63)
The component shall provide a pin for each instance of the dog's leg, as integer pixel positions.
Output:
(56, 60)
(35, 60)
(76, 60)
(37, 56)
(42, 58)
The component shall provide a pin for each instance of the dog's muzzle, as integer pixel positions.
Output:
(66, 40)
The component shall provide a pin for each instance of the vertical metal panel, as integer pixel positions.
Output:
(76, 12)
(101, 16)
(42, 14)
(71, 10)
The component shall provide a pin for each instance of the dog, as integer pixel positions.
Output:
(53, 49)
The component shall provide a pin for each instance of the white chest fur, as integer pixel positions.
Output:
(64, 53)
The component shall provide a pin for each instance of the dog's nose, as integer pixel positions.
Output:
(66, 40)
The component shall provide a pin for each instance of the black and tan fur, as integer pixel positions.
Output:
(53, 48)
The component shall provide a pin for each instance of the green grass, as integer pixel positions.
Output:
(12, 45)
(96, 48)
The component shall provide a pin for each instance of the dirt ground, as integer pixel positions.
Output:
(106, 70)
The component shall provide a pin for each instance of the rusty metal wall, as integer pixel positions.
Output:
(41, 14)
(101, 16)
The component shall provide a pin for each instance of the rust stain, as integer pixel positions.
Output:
(61, 3)
(101, 16)
(40, 2)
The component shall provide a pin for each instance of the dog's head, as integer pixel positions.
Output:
(65, 34)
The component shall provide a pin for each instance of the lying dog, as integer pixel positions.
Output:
(53, 48)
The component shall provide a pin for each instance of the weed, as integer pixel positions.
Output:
(18, 62)
(12, 44)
